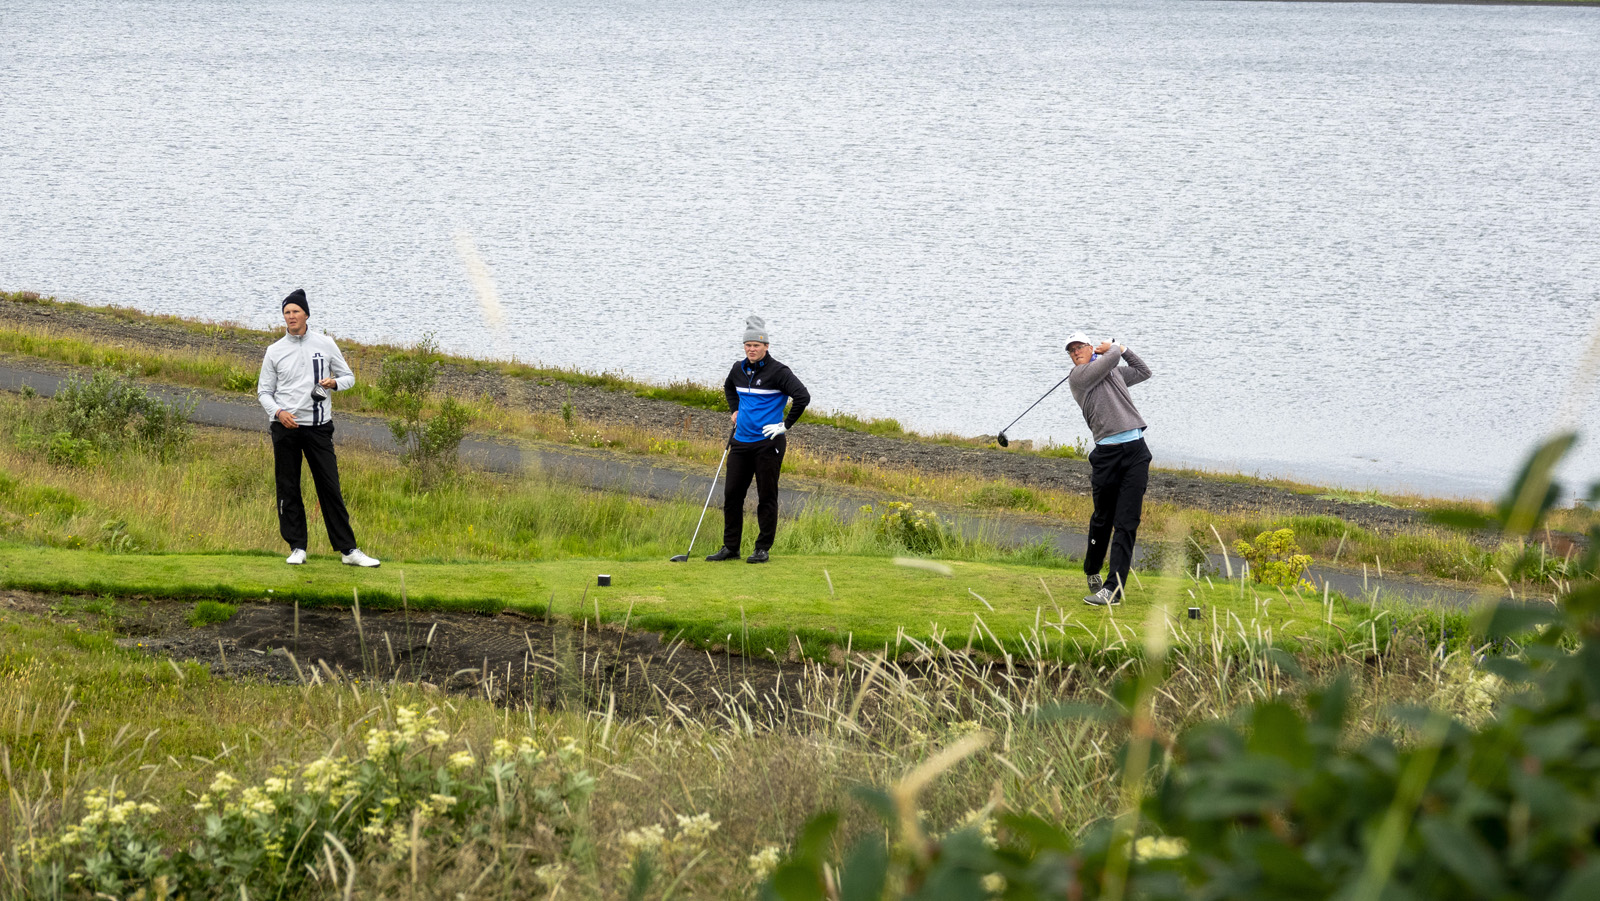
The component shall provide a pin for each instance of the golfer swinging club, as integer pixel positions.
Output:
(298, 373)
(1119, 463)
(758, 387)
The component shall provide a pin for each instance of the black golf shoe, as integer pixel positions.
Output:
(722, 554)
(1096, 583)
(760, 556)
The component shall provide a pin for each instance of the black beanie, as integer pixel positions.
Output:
(298, 298)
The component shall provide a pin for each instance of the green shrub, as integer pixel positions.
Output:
(92, 420)
(1275, 559)
(428, 443)
(918, 531)
(209, 613)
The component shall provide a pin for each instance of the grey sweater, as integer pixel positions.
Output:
(1101, 389)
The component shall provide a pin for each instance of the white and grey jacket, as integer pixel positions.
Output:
(290, 372)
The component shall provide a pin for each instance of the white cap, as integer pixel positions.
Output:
(1078, 338)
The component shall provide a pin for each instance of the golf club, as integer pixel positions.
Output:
(726, 446)
(1002, 436)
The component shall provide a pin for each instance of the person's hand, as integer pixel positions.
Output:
(1103, 347)
(330, 384)
(774, 430)
(286, 419)
(734, 417)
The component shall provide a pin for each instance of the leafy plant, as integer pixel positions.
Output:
(918, 531)
(94, 419)
(428, 443)
(238, 380)
(1275, 559)
(1284, 802)
(304, 824)
(1077, 450)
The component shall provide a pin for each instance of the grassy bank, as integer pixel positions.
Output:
(224, 464)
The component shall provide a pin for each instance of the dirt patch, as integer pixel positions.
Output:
(606, 406)
(507, 658)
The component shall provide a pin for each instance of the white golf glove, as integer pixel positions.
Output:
(774, 430)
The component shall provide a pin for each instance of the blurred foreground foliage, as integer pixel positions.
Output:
(1281, 802)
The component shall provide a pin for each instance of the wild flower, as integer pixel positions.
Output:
(696, 829)
(644, 839)
(763, 862)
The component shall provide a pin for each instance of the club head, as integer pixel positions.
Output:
(1002, 440)
(681, 558)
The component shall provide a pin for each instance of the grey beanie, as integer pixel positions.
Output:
(755, 329)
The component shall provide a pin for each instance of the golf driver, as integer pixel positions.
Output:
(1002, 436)
(726, 446)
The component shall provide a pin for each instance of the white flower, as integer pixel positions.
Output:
(461, 760)
(763, 862)
(696, 829)
(647, 838)
(994, 883)
(223, 784)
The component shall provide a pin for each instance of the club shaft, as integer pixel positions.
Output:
(712, 490)
(1037, 402)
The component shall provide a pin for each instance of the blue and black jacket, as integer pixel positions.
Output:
(758, 392)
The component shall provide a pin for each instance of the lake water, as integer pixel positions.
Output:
(1358, 243)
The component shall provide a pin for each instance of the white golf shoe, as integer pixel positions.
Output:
(297, 557)
(356, 558)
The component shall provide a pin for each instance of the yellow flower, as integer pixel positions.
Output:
(1152, 847)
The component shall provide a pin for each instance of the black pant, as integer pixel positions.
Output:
(761, 463)
(1118, 476)
(315, 443)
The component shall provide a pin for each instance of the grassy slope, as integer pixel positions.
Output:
(871, 601)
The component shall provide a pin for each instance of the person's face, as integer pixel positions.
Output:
(754, 351)
(295, 319)
(1080, 353)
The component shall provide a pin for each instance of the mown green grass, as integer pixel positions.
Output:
(863, 603)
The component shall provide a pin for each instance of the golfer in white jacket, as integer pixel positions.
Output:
(299, 373)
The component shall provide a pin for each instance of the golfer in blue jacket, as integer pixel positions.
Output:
(758, 389)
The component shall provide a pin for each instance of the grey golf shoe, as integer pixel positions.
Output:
(1105, 597)
(1096, 583)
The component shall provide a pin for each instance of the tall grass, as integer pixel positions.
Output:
(753, 764)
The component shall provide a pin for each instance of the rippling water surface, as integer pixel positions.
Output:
(1357, 243)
